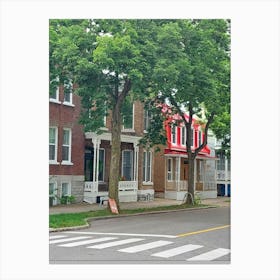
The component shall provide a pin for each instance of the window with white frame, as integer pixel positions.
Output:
(53, 144)
(199, 137)
(169, 169)
(68, 93)
(173, 134)
(54, 96)
(127, 165)
(65, 189)
(147, 166)
(192, 138)
(66, 146)
(183, 136)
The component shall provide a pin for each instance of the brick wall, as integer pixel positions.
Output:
(64, 116)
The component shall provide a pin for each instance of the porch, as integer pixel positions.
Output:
(176, 183)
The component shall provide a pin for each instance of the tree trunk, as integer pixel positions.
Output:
(116, 141)
(191, 187)
(115, 153)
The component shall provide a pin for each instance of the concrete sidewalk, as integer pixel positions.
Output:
(220, 201)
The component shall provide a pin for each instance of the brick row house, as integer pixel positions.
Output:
(79, 162)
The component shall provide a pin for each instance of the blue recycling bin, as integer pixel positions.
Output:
(221, 190)
(228, 189)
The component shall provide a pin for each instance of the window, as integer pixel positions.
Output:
(54, 96)
(169, 169)
(147, 166)
(147, 119)
(66, 146)
(199, 137)
(53, 144)
(173, 134)
(127, 165)
(65, 189)
(128, 115)
(183, 136)
(68, 93)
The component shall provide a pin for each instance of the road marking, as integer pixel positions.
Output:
(143, 247)
(57, 236)
(85, 242)
(177, 251)
(202, 231)
(211, 255)
(115, 243)
(67, 239)
(124, 234)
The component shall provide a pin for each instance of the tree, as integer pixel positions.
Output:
(196, 80)
(111, 61)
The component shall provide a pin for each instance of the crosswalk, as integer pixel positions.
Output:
(159, 249)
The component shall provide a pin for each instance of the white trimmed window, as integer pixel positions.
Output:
(53, 145)
(174, 134)
(66, 146)
(127, 165)
(199, 137)
(193, 137)
(169, 169)
(54, 97)
(183, 136)
(68, 93)
(65, 189)
(147, 166)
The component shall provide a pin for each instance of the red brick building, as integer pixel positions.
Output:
(79, 162)
(66, 146)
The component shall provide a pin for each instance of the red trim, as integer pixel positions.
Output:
(172, 152)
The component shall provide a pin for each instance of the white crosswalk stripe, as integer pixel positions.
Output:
(86, 242)
(146, 246)
(57, 236)
(110, 241)
(115, 243)
(177, 251)
(211, 255)
(68, 239)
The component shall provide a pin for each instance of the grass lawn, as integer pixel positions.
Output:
(79, 219)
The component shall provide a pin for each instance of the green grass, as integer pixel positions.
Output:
(79, 219)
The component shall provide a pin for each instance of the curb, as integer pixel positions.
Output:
(87, 225)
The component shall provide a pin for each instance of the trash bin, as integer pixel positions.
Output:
(228, 189)
(221, 190)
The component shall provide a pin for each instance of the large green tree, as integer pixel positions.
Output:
(111, 61)
(192, 75)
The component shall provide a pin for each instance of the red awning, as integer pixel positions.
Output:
(168, 152)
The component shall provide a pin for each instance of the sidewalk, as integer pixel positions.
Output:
(220, 201)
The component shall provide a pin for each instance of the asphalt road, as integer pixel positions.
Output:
(196, 236)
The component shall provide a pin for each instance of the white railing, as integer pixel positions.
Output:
(221, 175)
(125, 186)
(182, 185)
(91, 187)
